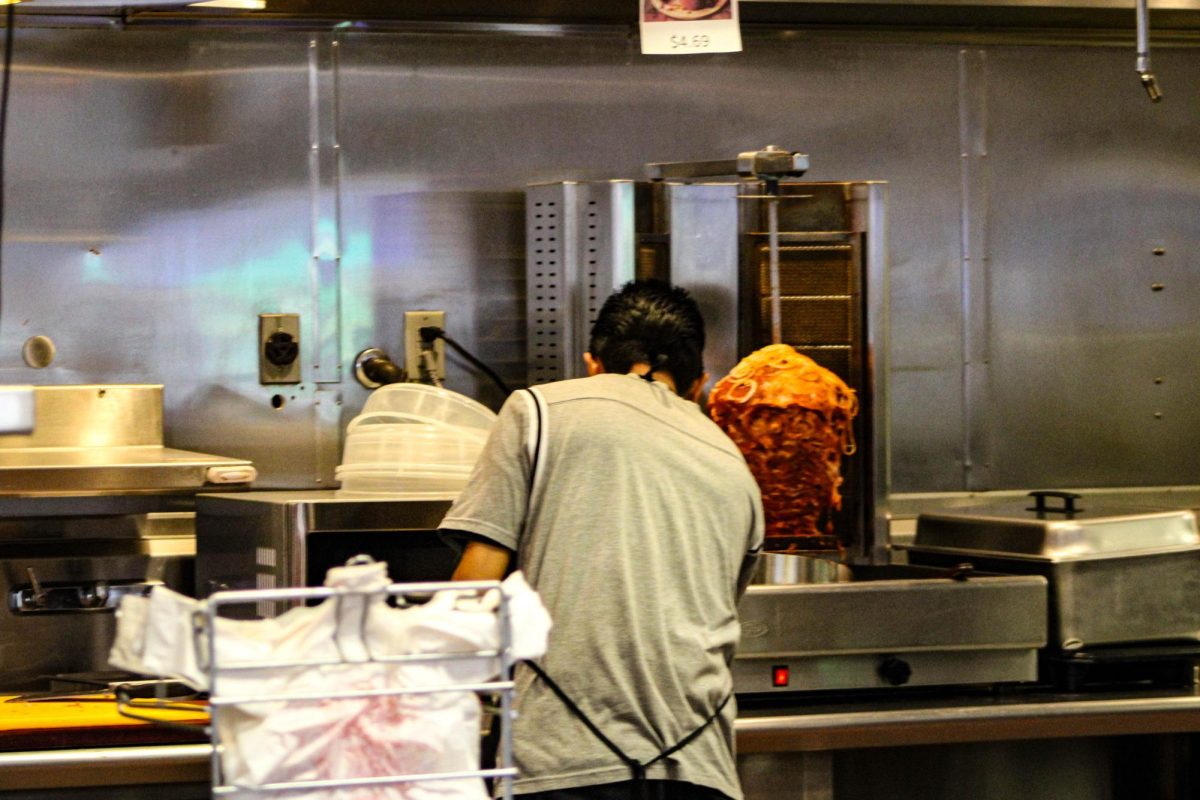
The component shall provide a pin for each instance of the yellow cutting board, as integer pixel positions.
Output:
(95, 711)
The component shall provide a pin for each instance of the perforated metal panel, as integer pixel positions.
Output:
(579, 249)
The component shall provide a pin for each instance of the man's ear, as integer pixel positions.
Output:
(696, 389)
(594, 367)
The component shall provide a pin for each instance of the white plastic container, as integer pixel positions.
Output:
(425, 484)
(413, 441)
(415, 445)
(421, 402)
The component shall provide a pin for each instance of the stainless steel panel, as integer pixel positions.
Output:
(159, 178)
(866, 634)
(846, 671)
(1093, 370)
(157, 202)
(325, 166)
(83, 471)
(976, 457)
(872, 214)
(704, 260)
(550, 302)
(269, 540)
(893, 615)
(93, 416)
(34, 645)
(1124, 599)
(579, 249)
(1145, 598)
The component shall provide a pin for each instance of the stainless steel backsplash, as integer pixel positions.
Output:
(167, 184)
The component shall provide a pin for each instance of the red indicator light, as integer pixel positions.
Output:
(780, 676)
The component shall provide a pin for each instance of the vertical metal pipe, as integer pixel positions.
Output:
(1149, 82)
(204, 627)
(507, 712)
(1143, 36)
(773, 248)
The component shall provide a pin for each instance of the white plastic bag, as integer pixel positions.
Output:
(274, 741)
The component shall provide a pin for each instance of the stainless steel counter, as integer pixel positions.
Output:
(797, 743)
(142, 766)
(901, 721)
(985, 745)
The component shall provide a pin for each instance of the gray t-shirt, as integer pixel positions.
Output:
(634, 535)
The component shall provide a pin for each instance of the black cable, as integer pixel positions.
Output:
(8, 48)
(431, 333)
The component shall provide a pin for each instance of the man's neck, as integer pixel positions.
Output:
(662, 376)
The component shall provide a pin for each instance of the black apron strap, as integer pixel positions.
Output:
(632, 763)
(637, 769)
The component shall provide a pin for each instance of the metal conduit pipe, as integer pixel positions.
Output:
(1149, 83)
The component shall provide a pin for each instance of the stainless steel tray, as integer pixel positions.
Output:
(1040, 530)
(1117, 576)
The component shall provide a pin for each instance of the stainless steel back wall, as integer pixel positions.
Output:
(168, 184)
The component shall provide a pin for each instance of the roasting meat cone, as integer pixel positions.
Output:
(793, 421)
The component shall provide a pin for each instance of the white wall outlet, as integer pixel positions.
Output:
(427, 367)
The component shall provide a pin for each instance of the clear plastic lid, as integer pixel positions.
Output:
(429, 404)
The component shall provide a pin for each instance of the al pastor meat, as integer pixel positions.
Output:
(793, 421)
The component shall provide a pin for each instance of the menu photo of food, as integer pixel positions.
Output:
(675, 10)
(684, 27)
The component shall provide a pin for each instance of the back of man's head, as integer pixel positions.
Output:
(653, 323)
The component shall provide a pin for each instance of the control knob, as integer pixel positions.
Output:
(895, 671)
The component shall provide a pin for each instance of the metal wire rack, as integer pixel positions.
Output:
(222, 702)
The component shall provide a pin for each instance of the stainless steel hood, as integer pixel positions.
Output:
(107, 5)
(106, 439)
(971, 14)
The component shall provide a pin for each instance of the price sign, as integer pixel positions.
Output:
(683, 27)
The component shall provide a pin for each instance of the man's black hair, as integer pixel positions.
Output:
(654, 323)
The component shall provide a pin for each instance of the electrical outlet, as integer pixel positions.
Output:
(278, 348)
(433, 368)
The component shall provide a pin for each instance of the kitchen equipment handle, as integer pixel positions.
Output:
(1067, 508)
(83, 597)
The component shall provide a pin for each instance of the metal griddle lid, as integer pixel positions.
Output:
(1057, 530)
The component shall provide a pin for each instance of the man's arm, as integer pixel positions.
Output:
(482, 561)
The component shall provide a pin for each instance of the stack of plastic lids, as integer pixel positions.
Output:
(413, 441)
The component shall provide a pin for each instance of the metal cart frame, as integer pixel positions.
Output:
(205, 622)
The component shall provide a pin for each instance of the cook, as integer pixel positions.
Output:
(637, 520)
